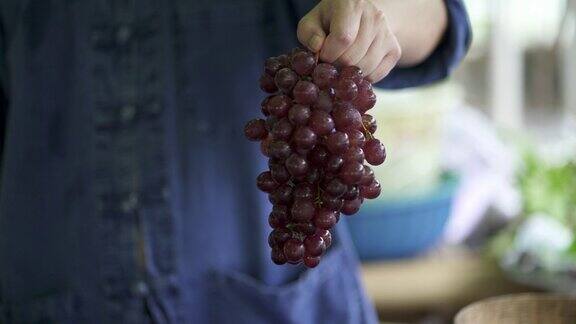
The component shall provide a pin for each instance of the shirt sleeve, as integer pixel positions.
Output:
(445, 57)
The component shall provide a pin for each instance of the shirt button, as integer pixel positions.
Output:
(114, 307)
(127, 113)
(123, 34)
(97, 37)
(152, 77)
(203, 127)
(165, 193)
(130, 203)
(140, 289)
(154, 108)
(99, 206)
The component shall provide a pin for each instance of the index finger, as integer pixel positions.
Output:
(344, 25)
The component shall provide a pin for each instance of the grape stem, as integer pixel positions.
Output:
(318, 200)
(366, 132)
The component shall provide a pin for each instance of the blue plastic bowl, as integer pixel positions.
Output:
(402, 228)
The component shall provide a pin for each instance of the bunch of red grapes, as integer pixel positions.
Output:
(316, 134)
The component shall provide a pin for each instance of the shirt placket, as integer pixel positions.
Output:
(135, 222)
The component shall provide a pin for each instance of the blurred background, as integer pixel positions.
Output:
(479, 191)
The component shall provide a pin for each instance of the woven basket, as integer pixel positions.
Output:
(521, 309)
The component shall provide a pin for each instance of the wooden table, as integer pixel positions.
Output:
(437, 284)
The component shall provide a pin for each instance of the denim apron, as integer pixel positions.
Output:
(127, 192)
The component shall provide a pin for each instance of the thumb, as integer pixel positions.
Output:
(310, 32)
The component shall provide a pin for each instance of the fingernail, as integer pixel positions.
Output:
(315, 43)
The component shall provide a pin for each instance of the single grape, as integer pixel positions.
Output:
(366, 99)
(303, 63)
(278, 218)
(304, 138)
(278, 105)
(325, 75)
(321, 122)
(335, 187)
(267, 83)
(255, 130)
(272, 162)
(282, 130)
(331, 202)
(365, 103)
(293, 250)
(302, 210)
(265, 182)
(374, 152)
(369, 123)
(351, 173)
(318, 156)
(346, 117)
(296, 165)
(352, 72)
(305, 92)
(351, 207)
(299, 114)
(354, 153)
(270, 122)
(284, 60)
(325, 218)
(296, 50)
(334, 163)
(337, 143)
(278, 237)
(300, 178)
(314, 245)
(264, 106)
(272, 65)
(305, 229)
(371, 191)
(282, 194)
(364, 86)
(279, 149)
(279, 173)
(302, 151)
(278, 257)
(356, 137)
(352, 193)
(311, 261)
(265, 146)
(346, 90)
(328, 176)
(367, 176)
(312, 176)
(281, 210)
(324, 102)
(304, 191)
(286, 79)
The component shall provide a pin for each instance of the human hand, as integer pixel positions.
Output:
(351, 32)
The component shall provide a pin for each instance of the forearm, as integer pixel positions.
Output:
(418, 25)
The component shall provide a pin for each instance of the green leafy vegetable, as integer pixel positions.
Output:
(549, 189)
